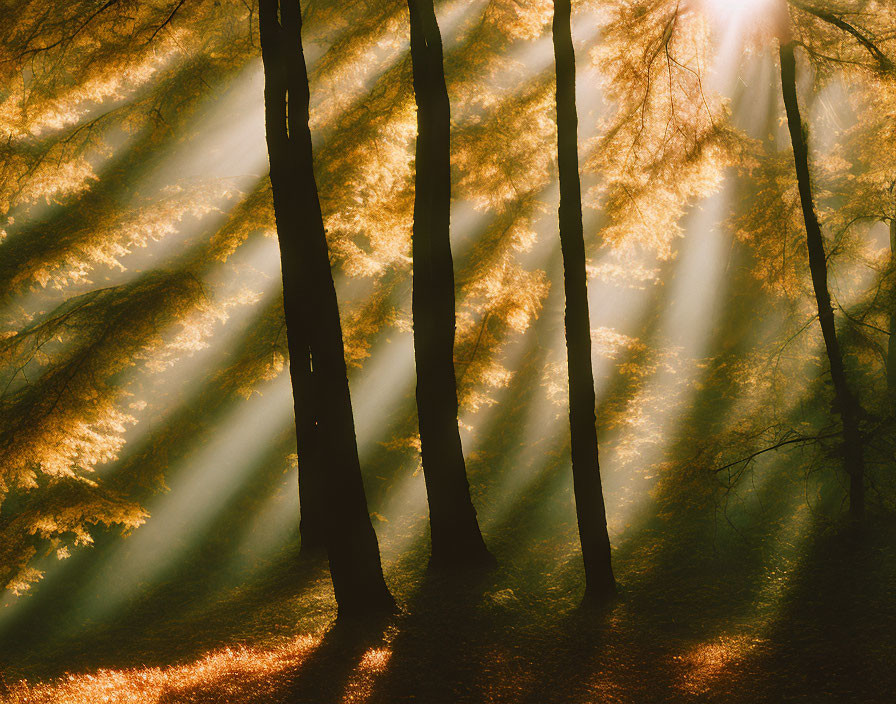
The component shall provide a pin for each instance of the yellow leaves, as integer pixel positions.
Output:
(410, 442)
(52, 180)
(509, 156)
(82, 446)
(71, 418)
(626, 272)
(360, 325)
(371, 199)
(22, 116)
(67, 98)
(668, 143)
(521, 20)
(498, 300)
(270, 371)
(51, 176)
(254, 212)
(610, 343)
(554, 379)
(23, 580)
(770, 221)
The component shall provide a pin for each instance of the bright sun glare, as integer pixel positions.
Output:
(739, 10)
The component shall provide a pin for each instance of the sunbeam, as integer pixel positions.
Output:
(299, 304)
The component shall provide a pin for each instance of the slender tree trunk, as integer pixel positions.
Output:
(312, 317)
(295, 288)
(312, 528)
(456, 538)
(891, 343)
(846, 403)
(590, 509)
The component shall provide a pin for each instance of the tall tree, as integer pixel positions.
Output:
(891, 340)
(590, 509)
(846, 403)
(456, 538)
(308, 442)
(312, 316)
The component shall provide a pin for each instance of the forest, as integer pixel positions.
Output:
(447, 351)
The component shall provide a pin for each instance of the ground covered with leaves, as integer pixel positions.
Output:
(698, 619)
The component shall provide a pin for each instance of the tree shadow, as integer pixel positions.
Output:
(443, 641)
(833, 640)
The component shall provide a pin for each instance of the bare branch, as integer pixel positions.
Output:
(167, 21)
(801, 439)
(884, 62)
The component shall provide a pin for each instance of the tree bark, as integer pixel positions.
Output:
(314, 331)
(891, 342)
(592, 517)
(312, 528)
(456, 538)
(845, 401)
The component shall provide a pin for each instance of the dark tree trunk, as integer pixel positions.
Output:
(590, 509)
(312, 318)
(891, 343)
(312, 529)
(311, 526)
(846, 403)
(456, 538)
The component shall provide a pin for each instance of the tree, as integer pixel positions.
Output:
(312, 316)
(456, 538)
(865, 186)
(592, 516)
(846, 402)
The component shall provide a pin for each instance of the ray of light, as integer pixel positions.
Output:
(211, 474)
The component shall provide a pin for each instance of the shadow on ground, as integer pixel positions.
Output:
(826, 636)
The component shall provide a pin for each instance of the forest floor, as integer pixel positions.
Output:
(692, 624)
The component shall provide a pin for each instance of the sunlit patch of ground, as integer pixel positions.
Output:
(702, 631)
(704, 665)
(233, 674)
(360, 685)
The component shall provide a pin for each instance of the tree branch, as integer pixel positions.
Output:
(167, 21)
(791, 441)
(882, 59)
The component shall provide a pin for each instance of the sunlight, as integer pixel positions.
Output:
(361, 683)
(214, 472)
(738, 10)
(241, 671)
(154, 195)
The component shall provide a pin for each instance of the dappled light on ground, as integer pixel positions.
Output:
(150, 549)
(362, 682)
(237, 674)
(670, 638)
(707, 665)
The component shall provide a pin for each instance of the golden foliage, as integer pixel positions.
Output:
(668, 141)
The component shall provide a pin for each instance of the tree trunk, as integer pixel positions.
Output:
(846, 403)
(312, 317)
(891, 343)
(456, 538)
(312, 528)
(590, 509)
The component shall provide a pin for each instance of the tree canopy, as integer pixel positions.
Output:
(141, 306)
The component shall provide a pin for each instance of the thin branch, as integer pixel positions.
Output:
(468, 362)
(805, 439)
(64, 40)
(882, 59)
(167, 21)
